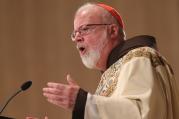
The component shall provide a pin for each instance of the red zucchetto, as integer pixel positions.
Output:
(113, 12)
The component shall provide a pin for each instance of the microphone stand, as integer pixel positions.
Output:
(9, 100)
(23, 87)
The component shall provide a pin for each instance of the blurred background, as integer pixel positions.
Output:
(35, 45)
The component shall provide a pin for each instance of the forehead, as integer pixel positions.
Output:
(87, 16)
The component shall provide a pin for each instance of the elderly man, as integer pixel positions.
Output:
(137, 82)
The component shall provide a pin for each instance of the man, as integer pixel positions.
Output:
(137, 82)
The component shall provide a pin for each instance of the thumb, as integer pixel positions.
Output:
(70, 80)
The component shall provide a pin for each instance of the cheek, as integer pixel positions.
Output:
(96, 40)
(91, 41)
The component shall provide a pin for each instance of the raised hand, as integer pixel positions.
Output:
(62, 95)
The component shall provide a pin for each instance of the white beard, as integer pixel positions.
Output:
(92, 56)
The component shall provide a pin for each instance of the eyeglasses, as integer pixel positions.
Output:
(85, 29)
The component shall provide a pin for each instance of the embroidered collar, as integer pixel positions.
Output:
(132, 43)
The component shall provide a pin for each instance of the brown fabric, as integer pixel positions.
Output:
(79, 109)
(132, 43)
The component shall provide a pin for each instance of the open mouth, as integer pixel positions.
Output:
(81, 49)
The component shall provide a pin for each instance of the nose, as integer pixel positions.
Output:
(77, 38)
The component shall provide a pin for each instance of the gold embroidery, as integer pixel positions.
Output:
(108, 81)
(109, 78)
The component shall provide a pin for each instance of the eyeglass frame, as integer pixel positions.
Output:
(82, 31)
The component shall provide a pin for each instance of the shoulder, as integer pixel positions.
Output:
(145, 53)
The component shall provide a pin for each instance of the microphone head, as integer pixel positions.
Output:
(26, 85)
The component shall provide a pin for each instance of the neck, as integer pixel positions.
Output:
(102, 63)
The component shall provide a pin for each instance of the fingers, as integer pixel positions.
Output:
(35, 117)
(64, 90)
(55, 91)
(55, 97)
(31, 118)
(56, 85)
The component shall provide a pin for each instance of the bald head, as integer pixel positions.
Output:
(99, 12)
(103, 15)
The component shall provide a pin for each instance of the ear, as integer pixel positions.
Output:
(113, 31)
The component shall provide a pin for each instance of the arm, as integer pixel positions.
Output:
(139, 95)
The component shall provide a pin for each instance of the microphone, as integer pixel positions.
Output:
(26, 85)
(23, 87)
